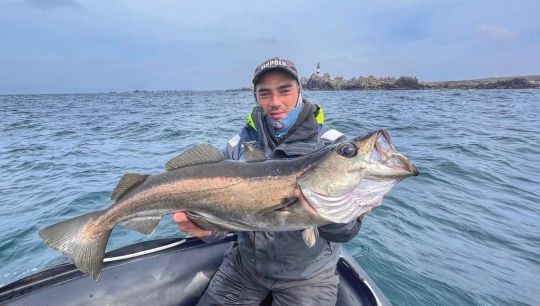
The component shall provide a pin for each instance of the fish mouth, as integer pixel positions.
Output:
(384, 153)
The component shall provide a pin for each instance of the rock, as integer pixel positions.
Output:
(316, 82)
(326, 77)
(325, 82)
(515, 83)
(303, 81)
(532, 81)
(241, 89)
(406, 82)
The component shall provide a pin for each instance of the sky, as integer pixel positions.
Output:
(71, 46)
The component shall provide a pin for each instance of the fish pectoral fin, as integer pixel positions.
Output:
(143, 225)
(310, 236)
(126, 183)
(207, 224)
(252, 154)
(281, 206)
(203, 153)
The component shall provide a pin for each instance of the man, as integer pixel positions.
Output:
(283, 125)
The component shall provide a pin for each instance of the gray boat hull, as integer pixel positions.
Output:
(160, 272)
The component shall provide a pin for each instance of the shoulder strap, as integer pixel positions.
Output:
(332, 135)
(319, 115)
(250, 121)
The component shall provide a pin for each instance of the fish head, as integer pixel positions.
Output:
(354, 176)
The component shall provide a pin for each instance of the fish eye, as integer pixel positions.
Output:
(347, 150)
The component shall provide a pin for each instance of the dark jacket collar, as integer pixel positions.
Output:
(303, 132)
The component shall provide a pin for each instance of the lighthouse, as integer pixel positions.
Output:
(318, 68)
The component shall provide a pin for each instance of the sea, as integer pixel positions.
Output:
(466, 231)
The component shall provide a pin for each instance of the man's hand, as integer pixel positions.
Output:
(189, 227)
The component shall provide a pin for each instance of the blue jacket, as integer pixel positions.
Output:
(285, 255)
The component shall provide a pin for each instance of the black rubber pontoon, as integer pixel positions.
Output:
(160, 272)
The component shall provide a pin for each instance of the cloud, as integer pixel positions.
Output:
(52, 4)
(495, 32)
(100, 45)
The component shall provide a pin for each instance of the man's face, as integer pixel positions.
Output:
(277, 93)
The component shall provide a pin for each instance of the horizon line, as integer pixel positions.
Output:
(233, 89)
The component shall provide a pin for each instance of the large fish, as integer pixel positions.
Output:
(339, 182)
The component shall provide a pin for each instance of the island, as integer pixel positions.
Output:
(325, 82)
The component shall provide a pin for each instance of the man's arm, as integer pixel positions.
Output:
(193, 230)
(189, 227)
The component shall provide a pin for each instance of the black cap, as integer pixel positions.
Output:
(275, 63)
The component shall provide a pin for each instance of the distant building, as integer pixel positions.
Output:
(318, 69)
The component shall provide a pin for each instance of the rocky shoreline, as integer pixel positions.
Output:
(521, 82)
(325, 82)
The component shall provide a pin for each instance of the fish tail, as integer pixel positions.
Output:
(85, 252)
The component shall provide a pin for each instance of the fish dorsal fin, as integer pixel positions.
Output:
(200, 154)
(128, 181)
(252, 154)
